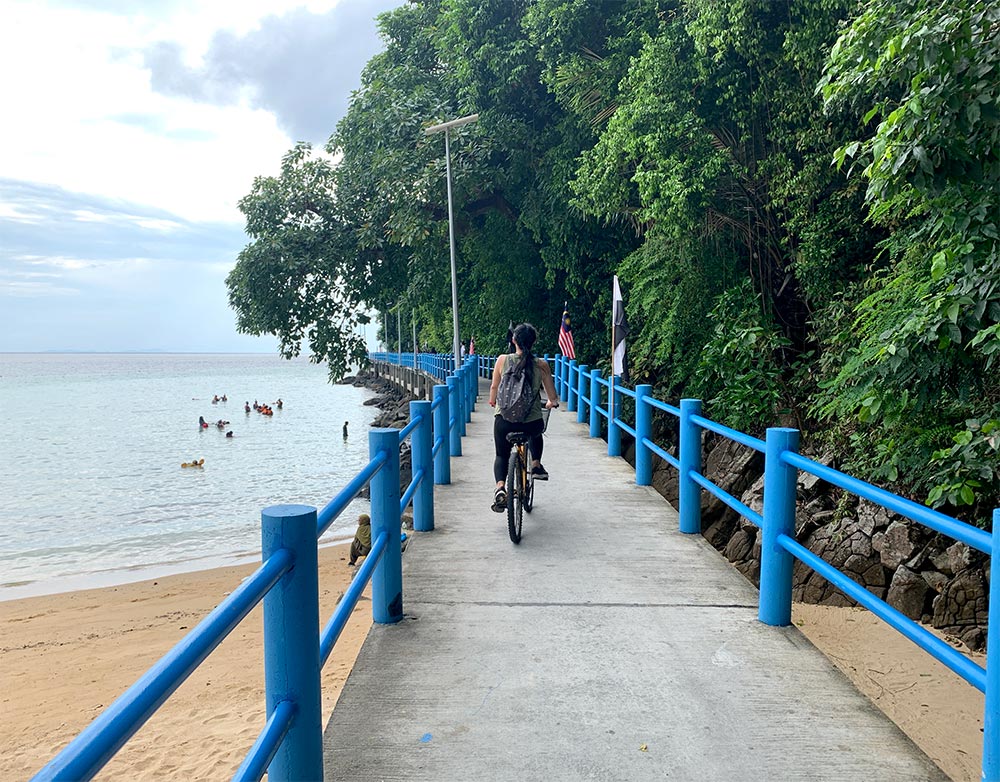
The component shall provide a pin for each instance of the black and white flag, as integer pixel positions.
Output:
(619, 330)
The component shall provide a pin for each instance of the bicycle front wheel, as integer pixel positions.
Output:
(514, 496)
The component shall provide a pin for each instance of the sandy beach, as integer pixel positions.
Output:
(937, 709)
(66, 657)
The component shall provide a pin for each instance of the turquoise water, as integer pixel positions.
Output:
(92, 491)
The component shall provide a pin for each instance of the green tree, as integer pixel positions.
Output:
(921, 343)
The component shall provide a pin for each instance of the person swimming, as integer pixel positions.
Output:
(229, 433)
(202, 424)
(345, 429)
(246, 406)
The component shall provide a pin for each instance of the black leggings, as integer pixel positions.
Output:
(501, 429)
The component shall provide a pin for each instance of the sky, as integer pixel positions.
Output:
(130, 131)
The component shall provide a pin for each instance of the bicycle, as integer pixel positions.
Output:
(520, 480)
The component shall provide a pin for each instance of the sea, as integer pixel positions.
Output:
(92, 487)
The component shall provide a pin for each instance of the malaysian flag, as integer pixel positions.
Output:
(566, 335)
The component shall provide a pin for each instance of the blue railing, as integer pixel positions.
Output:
(289, 747)
(438, 365)
(593, 398)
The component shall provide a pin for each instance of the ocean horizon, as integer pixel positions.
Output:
(92, 488)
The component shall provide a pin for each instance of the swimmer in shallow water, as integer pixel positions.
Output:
(229, 433)
(345, 429)
(201, 422)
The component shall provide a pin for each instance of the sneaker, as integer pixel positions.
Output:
(499, 500)
(539, 473)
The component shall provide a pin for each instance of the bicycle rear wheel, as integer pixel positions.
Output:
(514, 496)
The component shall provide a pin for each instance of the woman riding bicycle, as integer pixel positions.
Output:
(538, 374)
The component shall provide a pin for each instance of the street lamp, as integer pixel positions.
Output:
(446, 126)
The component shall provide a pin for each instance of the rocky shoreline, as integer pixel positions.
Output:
(391, 400)
(926, 576)
(394, 406)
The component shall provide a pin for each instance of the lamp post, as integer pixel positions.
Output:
(446, 126)
(399, 336)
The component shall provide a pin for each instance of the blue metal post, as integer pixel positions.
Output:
(779, 519)
(421, 448)
(291, 640)
(614, 410)
(442, 461)
(454, 414)
(557, 375)
(644, 430)
(462, 390)
(689, 492)
(564, 372)
(991, 716)
(571, 400)
(472, 378)
(582, 386)
(387, 580)
(595, 402)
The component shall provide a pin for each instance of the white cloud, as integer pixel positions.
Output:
(154, 224)
(31, 289)
(71, 72)
(118, 203)
(16, 213)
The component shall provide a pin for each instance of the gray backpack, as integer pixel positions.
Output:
(515, 396)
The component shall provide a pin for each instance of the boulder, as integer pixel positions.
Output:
(940, 560)
(720, 531)
(908, 592)
(872, 517)
(899, 543)
(733, 468)
(739, 546)
(961, 556)
(936, 581)
(665, 478)
(806, 480)
(847, 546)
(962, 608)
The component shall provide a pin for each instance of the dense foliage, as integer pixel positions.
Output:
(801, 200)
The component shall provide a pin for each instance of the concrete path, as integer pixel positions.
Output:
(606, 646)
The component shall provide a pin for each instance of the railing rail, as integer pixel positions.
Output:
(289, 747)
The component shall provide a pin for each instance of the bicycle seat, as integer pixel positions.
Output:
(517, 438)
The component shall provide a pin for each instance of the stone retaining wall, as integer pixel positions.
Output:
(926, 576)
